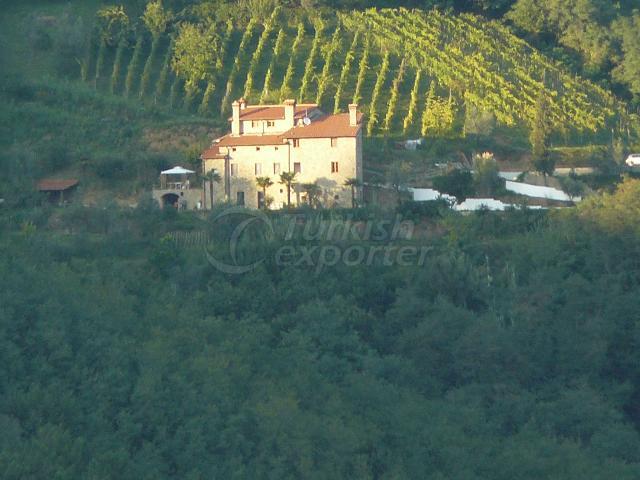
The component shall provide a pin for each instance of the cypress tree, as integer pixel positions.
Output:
(539, 137)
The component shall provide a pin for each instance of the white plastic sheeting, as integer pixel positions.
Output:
(536, 191)
(428, 194)
(471, 204)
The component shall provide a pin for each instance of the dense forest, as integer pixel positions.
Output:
(511, 353)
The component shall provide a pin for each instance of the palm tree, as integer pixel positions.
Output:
(313, 193)
(264, 183)
(287, 179)
(212, 176)
(353, 183)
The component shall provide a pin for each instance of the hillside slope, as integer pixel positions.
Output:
(412, 72)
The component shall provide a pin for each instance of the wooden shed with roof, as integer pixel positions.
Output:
(58, 190)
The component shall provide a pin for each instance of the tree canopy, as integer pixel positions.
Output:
(510, 353)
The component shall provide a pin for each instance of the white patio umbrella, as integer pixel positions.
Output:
(177, 171)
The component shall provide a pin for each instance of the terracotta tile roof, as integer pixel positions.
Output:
(323, 126)
(51, 185)
(274, 112)
(326, 127)
(212, 152)
(249, 140)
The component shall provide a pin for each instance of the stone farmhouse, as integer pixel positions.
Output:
(267, 140)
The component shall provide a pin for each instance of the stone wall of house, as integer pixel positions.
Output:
(314, 157)
(188, 199)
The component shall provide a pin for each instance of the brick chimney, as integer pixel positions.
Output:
(289, 112)
(235, 119)
(353, 114)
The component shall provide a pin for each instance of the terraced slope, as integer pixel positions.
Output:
(487, 65)
(412, 72)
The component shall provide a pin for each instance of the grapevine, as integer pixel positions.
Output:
(246, 37)
(288, 76)
(413, 103)
(205, 104)
(133, 66)
(161, 84)
(277, 52)
(382, 74)
(308, 68)
(344, 74)
(393, 100)
(325, 76)
(257, 54)
(362, 71)
(117, 65)
(146, 72)
(102, 52)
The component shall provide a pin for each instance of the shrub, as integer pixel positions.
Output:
(572, 186)
(57, 157)
(157, 161)
(38, 35)
(20, 91)
(110, 167)
(486, 179)
(589, 156)
(458, 183)
(418, 210)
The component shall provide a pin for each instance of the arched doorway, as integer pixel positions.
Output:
(170, 200)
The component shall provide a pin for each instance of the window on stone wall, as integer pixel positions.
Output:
(296, 167)
(296, 142)
(234, 169)
(258, 169)
(334, 142)
(276, 168)
(271, 123)
(240, 198)
(334, 167)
